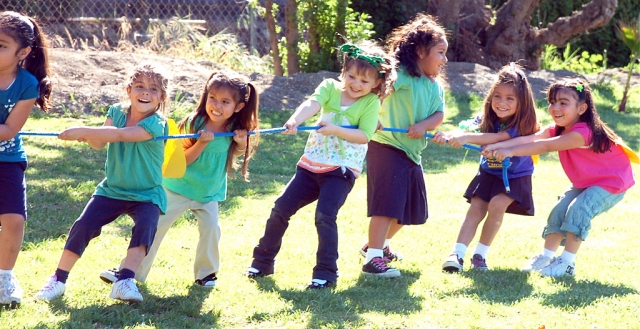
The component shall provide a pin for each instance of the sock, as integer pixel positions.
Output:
(126, 273)
(459, 249)
(548, 253)
(482, 250)
(371, 253)
(6, 272)
(62, 275)
(386, 243)
(569, 257)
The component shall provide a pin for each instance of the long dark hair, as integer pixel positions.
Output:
(603, 136)
(242, 91)
(422, 32)
(27, 33)
(525, 119)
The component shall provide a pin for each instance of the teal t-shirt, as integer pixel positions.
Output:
(413, 100)
(24, 87)
(206, 178)
(134, 169)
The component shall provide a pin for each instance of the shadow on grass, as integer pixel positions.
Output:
(505, 286)
(339, 308)
(583, 293)
(178, 311)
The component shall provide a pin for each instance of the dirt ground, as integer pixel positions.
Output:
(85, 81)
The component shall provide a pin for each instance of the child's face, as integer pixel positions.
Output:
(10, 52)
(504, 101)
(358, 83)
(431, 61)
(565, 108)
(145, 94)
(221, 105)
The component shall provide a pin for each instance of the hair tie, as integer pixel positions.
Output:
(518, 71)
(353, 51)
(579, 87)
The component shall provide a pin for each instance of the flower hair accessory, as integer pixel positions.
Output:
(579, 87)
(355, 52)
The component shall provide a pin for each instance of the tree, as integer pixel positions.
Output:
(629, 33)
(273, 38)
(291, 34)
(494, 39)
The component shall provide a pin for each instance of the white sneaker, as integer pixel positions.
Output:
(558, 267)
(52, 289)
(109, 276)
(536, 263)
(10, 290)
(453, 264)
(126, 290)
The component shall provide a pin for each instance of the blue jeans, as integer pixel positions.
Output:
(331, 190)
(576, 208)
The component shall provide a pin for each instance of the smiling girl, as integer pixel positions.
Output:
(332, 160)
(509, 111)
(133, 183)
(594, 158)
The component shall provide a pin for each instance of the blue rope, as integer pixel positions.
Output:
(506, 163)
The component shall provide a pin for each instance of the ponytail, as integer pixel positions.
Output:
(37, 63)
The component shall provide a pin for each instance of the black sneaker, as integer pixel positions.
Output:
(253, 273)
(208, 281)
(110, 276)
(315, 284)
(453, 264)
(378, 266)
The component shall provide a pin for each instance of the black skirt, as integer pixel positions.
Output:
(395, 185)
(486, 186)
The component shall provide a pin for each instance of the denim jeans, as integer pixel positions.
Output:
(576, 208)
(331, 190)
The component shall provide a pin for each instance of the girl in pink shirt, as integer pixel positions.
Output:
(596, 161)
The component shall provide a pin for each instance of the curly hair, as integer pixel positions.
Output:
(385, 71)
(422, 32)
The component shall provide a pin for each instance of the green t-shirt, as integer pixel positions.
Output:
(206, 178)
(413, 100)
(134, 169)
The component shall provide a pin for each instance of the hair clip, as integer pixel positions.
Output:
(579, 87)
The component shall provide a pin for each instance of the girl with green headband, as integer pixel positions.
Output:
(333, 157)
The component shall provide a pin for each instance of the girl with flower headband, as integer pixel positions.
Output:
(24, 82)
(229, 102)
(594, 158)
(333, 157)
(396, 192)
(509, 112)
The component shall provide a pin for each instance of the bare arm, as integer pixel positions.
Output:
(567, 141)
(304, 112)
(16, 119)
(418, 129)
(542, 134)
(193, 151)
(98, 137)
(458, 139)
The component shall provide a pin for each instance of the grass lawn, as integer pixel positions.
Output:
(63, 175)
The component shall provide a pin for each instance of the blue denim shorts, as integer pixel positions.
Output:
(576, 208)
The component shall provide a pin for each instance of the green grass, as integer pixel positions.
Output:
(63, 175)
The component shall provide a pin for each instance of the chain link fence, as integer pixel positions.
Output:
(84, 18)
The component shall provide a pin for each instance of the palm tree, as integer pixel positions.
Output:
(629, 33)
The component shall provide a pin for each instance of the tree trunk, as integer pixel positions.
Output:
(273, 38)
(291, 34)
(341, 30)
(314, 38)
(512, 38)
(447, 11)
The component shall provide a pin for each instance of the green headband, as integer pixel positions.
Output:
(355, 52)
